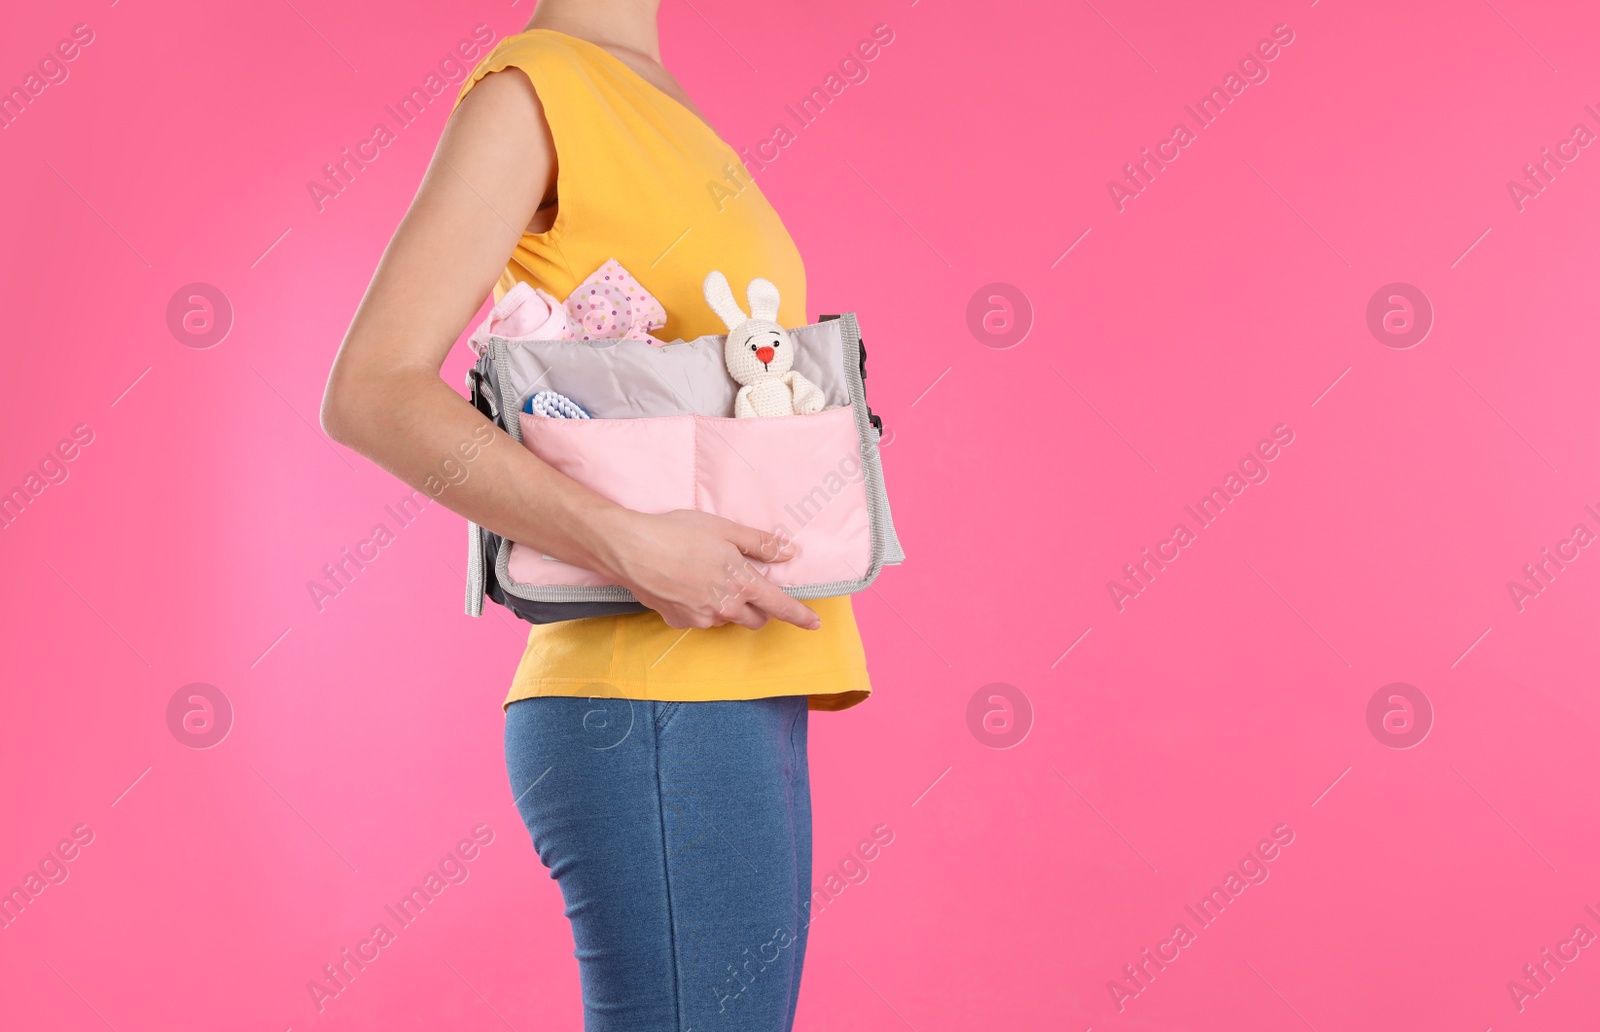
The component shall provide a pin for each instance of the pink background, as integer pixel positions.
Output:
(1165, 341)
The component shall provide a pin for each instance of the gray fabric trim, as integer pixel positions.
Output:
(885, 543)
(499, 359)
(885, 549)
(475, 585)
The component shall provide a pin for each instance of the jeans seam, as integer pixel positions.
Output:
(665, 711)
(666, 879)
(794, 749)
(802, 892)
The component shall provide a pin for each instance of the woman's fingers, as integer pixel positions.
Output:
(758, 544)
(748, 616)
(770, 599)
(689, 548)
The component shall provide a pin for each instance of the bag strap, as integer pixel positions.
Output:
(480, 395)
(482, 399)
(861, 345)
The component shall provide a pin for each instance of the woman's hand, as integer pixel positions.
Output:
(699, 570)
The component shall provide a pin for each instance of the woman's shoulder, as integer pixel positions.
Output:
(543, 54)
(538, 46)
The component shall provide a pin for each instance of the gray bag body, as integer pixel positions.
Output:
(623, 378)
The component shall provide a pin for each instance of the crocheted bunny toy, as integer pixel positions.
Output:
(760, 354)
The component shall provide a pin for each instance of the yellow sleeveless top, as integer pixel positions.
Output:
(640, 178)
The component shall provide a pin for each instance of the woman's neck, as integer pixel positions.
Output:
(614, 24)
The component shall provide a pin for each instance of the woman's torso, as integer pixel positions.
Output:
(642, 179)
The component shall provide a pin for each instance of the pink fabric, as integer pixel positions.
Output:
(610, 303)
(799, 476)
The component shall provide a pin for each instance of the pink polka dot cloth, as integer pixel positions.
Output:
(611, 303)
(607, 305)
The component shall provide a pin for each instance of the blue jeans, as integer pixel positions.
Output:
(680, 834)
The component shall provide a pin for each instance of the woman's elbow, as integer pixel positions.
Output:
(341, 414)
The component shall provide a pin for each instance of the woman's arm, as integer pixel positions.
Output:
(385, 397)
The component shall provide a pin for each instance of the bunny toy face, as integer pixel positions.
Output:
(758, 353)
(757, 347)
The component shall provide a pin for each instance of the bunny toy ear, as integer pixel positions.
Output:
(720, 297)
(763, 295)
